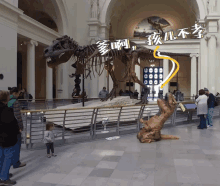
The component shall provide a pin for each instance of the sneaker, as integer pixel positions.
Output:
(208, 126)
(49, 156)
(7, 182)
(54, 155)
(21, 165)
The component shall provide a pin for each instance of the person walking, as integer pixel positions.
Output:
(211, 105)
(49, 138)
(9, 131)
(13, 103)
(202, 108)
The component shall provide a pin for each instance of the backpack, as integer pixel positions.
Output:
(11, 102)
(216, 102)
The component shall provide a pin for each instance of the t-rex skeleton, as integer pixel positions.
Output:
(88, 57)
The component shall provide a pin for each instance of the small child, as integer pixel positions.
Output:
(49, 138)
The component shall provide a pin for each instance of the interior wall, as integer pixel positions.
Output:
(184, 75)
(40, 73)
(24, 66)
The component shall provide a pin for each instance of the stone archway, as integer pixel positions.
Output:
(53, 9)
(53, 14)
(125, 15)
(109, 5)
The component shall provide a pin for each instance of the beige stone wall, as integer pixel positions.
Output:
(40, 74)
(184, 75)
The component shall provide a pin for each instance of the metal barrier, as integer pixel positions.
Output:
(37, 104)
(77, 124)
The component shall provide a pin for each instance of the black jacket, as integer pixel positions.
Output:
(211, 101)
(9, 128)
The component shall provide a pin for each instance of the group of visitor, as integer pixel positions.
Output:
(205, 108)
(11, 127)
(129, 93)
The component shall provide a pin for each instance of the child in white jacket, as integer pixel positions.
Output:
(49, 138)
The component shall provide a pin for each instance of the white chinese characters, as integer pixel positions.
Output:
(120, 43)
(156, 39)
(103, 47)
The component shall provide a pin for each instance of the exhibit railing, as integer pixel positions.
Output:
(89, 123)
(38, 104)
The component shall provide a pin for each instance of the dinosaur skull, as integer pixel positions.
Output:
(60, 51)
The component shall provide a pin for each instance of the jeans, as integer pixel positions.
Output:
(202, 122)
(6, 156)
(50, 147)
(210, 116)
(16, 159)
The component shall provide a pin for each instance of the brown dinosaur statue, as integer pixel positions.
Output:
(152, 129)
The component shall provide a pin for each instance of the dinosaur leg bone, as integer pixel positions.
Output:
(146, 89)
(109, 68)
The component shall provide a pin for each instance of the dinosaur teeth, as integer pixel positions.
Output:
(61, 54)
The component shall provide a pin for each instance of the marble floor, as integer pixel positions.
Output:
(194, 160)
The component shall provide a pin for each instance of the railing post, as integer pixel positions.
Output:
(30, 129)
(94, 131)
(118, 123)
(92, 123)
(63, 134)
(140, 116)
(25, 132)
(138, 119)
(42, 122)
(174, 116)
(45, 104)
(27, 104)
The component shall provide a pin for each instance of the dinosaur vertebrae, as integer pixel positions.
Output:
(152, 128)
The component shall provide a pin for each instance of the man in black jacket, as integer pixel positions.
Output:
(211, 105)
(9, 130)
(13, 103)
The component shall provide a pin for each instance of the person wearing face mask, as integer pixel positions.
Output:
(13, 103)
(103, 93)
(9, 130)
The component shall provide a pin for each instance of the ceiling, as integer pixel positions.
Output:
(124, 15)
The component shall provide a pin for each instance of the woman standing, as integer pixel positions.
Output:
(202, 108)
(9, 130)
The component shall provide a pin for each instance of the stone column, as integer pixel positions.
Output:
(212, 41)
(193, 74)
(49, 83)
(165, 74)
(138, 74)
(31, 67)
(204, 63)
(199, 72)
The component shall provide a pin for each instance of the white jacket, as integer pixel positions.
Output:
(49, 137)
(202, 106)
